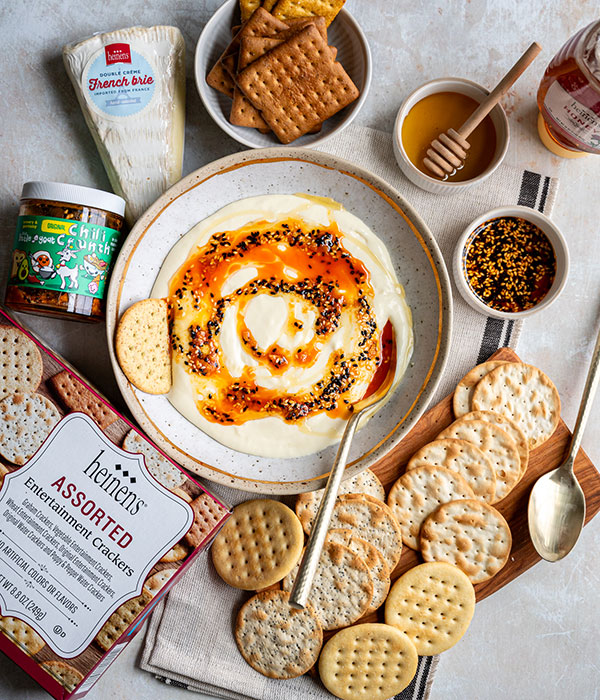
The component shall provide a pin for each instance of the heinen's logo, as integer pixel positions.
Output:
(114, 485)
(117, 53)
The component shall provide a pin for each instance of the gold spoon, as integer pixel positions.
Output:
(448, 152)
(556, 511)
(312, 553)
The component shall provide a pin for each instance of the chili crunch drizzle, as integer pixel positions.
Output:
(291, 261)
(509, 264)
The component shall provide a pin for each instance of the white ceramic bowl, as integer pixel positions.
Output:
(465, 87)
(353, 53)
(552, 233)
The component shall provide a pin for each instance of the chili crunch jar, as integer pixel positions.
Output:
(64, 245)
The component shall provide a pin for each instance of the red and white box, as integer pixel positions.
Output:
(82, 492)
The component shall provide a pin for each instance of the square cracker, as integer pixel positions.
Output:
(247, 8)
(68, 676)
(289, 9)
(243, 112)
(207, 514)
(260, 24)
(297, 85)
(22, 634)
(120, 620)
(75, 396)
(269, 4)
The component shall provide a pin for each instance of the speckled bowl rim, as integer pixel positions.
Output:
(243, 134)
(554, 235)
(394, 199)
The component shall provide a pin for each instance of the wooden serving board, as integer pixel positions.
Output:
(514, 507)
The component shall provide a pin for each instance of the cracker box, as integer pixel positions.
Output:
(96, 524)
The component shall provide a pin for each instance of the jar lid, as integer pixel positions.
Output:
(74, 194)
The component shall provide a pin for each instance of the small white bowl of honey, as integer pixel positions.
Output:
(430, 111)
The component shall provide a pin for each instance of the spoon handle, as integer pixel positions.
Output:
(589, 391)
(312, 553)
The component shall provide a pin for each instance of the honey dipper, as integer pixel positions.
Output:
(449, 150)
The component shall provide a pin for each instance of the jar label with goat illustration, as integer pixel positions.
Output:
(62, 255)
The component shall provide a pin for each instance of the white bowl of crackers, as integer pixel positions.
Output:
(292, 72)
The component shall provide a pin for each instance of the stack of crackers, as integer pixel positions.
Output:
(443, 501)
(441, 506)
(279, 70)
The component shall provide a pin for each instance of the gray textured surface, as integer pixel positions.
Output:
(538, 637)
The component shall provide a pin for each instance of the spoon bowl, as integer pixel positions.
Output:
(556, 513)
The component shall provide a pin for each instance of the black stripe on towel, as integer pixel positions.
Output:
(424, 678)
(492, 337)
(509, 329)
(545, 188)
(530, 185)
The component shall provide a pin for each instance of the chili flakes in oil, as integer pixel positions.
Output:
(509, 264)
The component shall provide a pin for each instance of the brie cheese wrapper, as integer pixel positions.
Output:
(130, 84)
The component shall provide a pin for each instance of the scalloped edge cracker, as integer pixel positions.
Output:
(461, 399)
(525, 395)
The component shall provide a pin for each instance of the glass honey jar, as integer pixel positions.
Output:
(569, 96)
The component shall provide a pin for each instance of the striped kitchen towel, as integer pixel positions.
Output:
(189, 642)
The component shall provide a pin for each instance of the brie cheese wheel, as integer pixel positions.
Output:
(130, 84)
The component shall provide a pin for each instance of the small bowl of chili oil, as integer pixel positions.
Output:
(511, 262)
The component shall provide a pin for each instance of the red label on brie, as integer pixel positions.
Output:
(117, 53)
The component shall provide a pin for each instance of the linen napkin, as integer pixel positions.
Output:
(189, 640)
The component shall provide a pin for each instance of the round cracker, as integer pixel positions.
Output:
(371, 661)
(433, 604)
(461, 400)
(496, 444)
(162, 469)
(418, 492)
(510, 427)
(379, 570)
(26, 420)
(524, 394)
(21, 363)
(462, 457)
(342, 589)
(258, 545)
(307, 504)
(372, 520)
(470, 534)
(276, 639)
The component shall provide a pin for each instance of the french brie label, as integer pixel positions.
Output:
(122, 87)
(78, 535)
